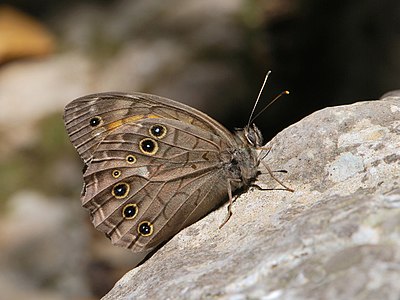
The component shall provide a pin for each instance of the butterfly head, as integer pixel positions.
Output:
(253, 136)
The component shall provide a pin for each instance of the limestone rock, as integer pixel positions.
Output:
(336, 237)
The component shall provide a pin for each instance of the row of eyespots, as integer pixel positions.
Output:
(121, 190)
(157, 131)
(130, 159)
(147, 146)
(129, 212)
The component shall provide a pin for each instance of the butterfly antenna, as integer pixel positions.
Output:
(268, 105)
(258, 99)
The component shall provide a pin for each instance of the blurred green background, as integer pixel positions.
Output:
(212, 55)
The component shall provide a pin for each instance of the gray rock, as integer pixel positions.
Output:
(336, 237)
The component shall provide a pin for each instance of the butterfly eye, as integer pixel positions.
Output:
(253, 136)
(116, 173)
(148, 146)
(95, 121)
(130, 211)
(145, 228)
(131, 159)
(158, 131)
(120, 190)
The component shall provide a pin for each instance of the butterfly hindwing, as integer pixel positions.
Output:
(158, 172)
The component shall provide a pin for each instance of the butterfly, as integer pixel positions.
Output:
(153, 166)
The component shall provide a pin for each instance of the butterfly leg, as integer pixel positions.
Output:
(276, 179)
(229, 213)
(265, 148)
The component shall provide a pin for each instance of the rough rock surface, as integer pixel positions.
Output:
(336, 237)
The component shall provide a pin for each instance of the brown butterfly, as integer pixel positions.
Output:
(154, 166)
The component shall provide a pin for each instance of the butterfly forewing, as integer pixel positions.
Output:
(91, 118)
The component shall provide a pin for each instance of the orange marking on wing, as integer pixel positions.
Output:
(130, 119)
